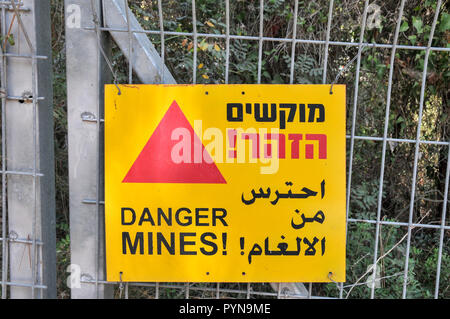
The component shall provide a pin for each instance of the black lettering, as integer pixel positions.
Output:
(150, 243)
(312, 113)
(198, 216)
(187, 220)
(265, 112)
(133, 218)
(282, 120)
(146, 217)
(302, 113)
(323, 246)
(168, 218)
(293, 109)
(138, 242)
(160, 239)
(184, 243)
(310, 251)
(208, 243)
(239, 117)
(248, 108)
(221, 217)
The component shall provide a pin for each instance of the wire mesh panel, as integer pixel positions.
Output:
(393, 56)
(28, 250)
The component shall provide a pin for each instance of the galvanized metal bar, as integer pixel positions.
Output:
(21, 173)
(355, 105)
(416, 151)
(324, 79)
(96, 13)
(92, 202)
(391, 223)
(33, 218)
(25, 56)
(194, 34)
(327, 42)
(227, 40)
(183, 288)
(294, 37)
(23, 285)
(144, 58)
(130, 43)
(256, 38)
(21, 99)
(442, 228)
(4, 210)
(163, 44)
(378, 139)
(383, 152)
(85, 95)
(353, 129)
(31, 202)
(157, 290)
(22, 241)
(261, 41)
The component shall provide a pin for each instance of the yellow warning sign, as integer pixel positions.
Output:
(225, 183)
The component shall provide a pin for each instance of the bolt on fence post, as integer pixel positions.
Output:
(28, 147)
(86, 75)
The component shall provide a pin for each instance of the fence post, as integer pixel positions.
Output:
(28, 170)
(86, 75)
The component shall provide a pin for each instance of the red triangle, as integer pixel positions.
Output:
(155, 164)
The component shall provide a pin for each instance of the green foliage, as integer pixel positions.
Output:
(9, 40)
(444, 23)
(365, 199)
(63, 258)
(61, 150)
(418, 24)
(308, 68)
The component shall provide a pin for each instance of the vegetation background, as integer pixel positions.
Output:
(311, 23)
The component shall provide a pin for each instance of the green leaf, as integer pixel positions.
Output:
(413, 39)
(381, 68)
(444, 24)
(203, 45)
(11, 40)
(404, 26)
(417, 23)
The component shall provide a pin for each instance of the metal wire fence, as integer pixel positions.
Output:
(27, 211)
(144, 37)
(125, 34)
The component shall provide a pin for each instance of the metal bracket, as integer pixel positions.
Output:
(146, 61)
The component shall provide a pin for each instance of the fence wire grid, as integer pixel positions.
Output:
(207, 42)
(26, 171)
